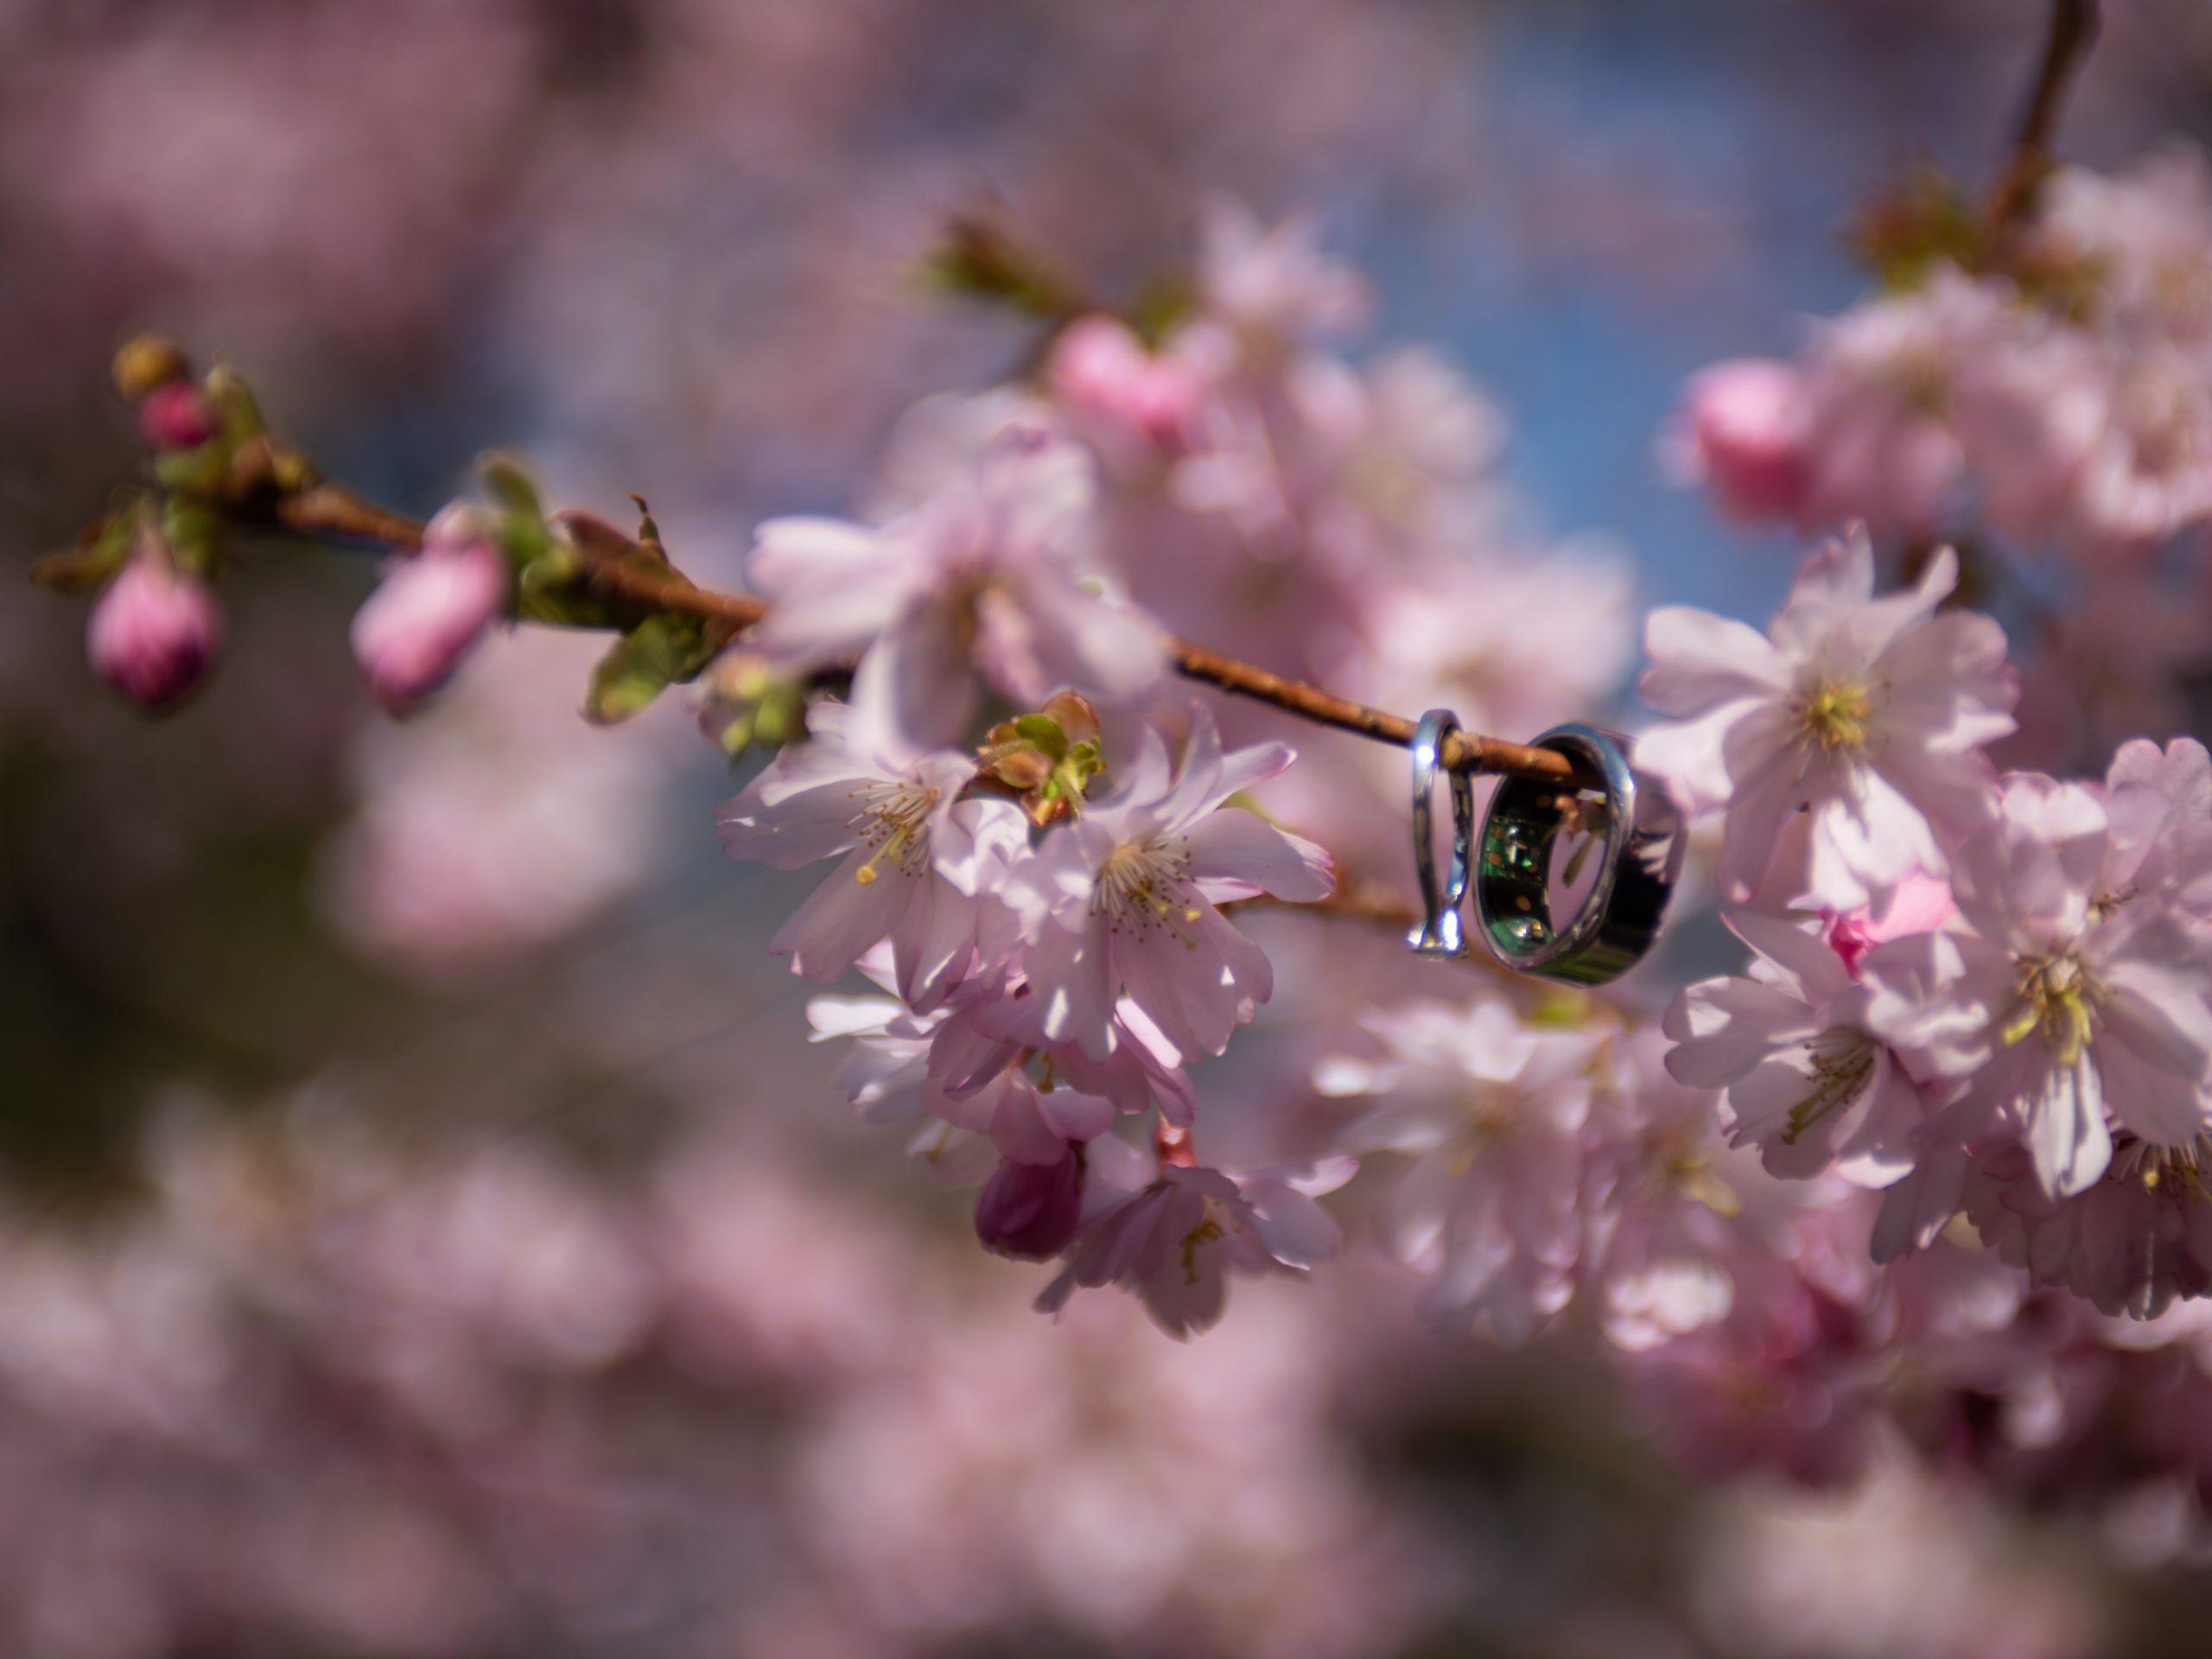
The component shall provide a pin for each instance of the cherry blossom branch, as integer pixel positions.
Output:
(327, 510)
(2073, 32)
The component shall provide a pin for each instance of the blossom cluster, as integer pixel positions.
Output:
(1976, 1045)
(1963, 980)
(1973, 991)
(2052, 396)
(1971, 1063)
(1976, 995)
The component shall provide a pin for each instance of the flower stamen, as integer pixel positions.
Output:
(1835, 714)
(2058, 1000)
(1843, 1060)
(894, 820)
(1141, 884)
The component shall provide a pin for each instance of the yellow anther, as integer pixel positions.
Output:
(2024, 1020)
(1204, 1233)
(1836, 713)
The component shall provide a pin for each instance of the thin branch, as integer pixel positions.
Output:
(2073, 32)
(329, 511)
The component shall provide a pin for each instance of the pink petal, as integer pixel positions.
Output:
(1238, 854)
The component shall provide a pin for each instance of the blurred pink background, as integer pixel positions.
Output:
(426, 1231)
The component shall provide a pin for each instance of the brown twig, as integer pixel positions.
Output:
(1462, 751)
(327, 510)
(2073, 32)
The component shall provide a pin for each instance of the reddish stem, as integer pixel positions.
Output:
(329, 509)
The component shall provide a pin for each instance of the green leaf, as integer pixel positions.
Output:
(194, 531)
(507, 482)
(1044, 732)
(660, 652)
(1913, 231)
(237, 417)
(99, 553)
(1160, 303)
(202, 470)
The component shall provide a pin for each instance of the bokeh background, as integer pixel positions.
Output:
(425, 1230)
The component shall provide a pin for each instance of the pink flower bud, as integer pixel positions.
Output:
(155, 631)
(431, 609)
(1030, 1211)
(1100, 367)
(1921, 905)
(176, 417)
(1742, 431)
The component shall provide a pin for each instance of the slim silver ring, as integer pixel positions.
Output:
(1639, 857)
(1439, 934)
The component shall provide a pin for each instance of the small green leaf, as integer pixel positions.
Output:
(1044, 732)
(99, 553)
(507, 482)
(1160, 303)
(658, 652)
(737, 736)
(194, 533)
(201, 470)
(237, 416)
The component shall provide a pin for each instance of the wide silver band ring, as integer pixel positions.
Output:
(1439, 933)
(1640, 854)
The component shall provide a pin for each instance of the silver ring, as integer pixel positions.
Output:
(1639, 856)
(1439, 934)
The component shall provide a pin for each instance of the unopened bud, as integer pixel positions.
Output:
(1742, 432)
(146, 363)
(176, 416)
(743, 699)
(1032, 1210)
(430, 610)
(1099, 367)
(1023, 769)
(1077, 718)
(155, 631)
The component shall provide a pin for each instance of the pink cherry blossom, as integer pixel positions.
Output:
(2132, 1241)
(431, 609)
(1123, 899)
(1666, 1209)
(1742, 432)
(1030, 1211)
(904, 1066)
(1921, 904)
(2144, 237)
(156, 630)
(2149, 473)
(1403, 455)
(1844, 745)
(2159, 805)
(1881, 444)
(2057, 1003)
(1170, 1234)
(1789, 1380)
(1273, 285)
(1450, 633)
(1806, 1082)
(1107, 379)
(992, 572)
(1490, 1108)
(920, 865)
(1023, 1119)
(885, 1071)
(1002, 1025)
